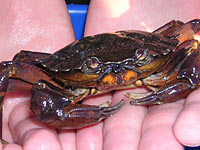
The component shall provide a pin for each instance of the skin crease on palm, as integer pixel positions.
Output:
(45, 26)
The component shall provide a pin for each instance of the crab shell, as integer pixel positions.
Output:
(111, 59)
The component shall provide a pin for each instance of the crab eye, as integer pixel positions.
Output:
(141, 54)
(92, 62)
(91, 65)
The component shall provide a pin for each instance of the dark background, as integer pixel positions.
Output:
(77, 1)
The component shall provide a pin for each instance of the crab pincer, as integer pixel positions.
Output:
(52, 107)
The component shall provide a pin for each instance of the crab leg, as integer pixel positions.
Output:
(170, 93)
(51, 106)
(19, 69)
(169, 72)
(80, 115)
(8, 69)
(28, 56)
(169, 27)
(186, 80)
(186, 31)
(4, 75)
(179, 30)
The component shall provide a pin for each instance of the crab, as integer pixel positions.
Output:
(165, 61)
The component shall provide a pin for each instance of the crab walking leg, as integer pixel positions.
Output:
(52, 107)
(179, 30)
(169, 27)
(28, 56)
(4, 73)
(4, 76)
(9, 69)
(169, 72)
(172, 92)
(187, 80)
(186, 31)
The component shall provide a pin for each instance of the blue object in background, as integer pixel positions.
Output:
(78, 15)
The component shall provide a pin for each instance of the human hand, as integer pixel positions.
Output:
(160, 127)
(30, 25)
(168, 126)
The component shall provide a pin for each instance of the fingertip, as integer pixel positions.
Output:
(121, 138)
(17, 119)
(67, 139)
(90, 137)
(159, 137)
(157, 127)
(22, 121)
(186, 128)
(12, 146)
(41, 139)
(127, 121)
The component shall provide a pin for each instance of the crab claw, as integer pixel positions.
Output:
(50, 105)
(80, 115)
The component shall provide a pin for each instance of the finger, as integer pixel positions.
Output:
(109, 16)
(28, 132)
(20, 124)
(187, 127)
(12, 101)
(158, 127)
(144, 15)
(67, 139)
(123, 129)
(92, 137)
(34, 25)
(12, 146)
(37, 138)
